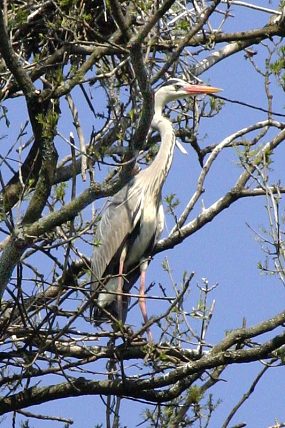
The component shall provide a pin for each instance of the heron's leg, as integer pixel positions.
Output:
(120, 284)
(142, 301)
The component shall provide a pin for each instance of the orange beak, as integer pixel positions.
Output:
(201, 89)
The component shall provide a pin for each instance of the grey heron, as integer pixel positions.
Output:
(133, 219)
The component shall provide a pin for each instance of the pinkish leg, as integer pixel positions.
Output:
(142, 302)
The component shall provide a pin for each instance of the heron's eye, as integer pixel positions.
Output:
(177, 87)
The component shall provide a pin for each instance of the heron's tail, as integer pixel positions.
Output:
(105, 307)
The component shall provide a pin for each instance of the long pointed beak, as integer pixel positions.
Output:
(201, 89)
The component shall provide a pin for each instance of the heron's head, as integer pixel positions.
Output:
(173, 89)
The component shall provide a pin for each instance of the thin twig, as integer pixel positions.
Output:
(245, 396)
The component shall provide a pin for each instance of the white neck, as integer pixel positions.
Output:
(163, 160)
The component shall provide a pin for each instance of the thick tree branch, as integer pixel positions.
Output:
(12, 61)
(24, 236)
(233, 195)
(146, 389)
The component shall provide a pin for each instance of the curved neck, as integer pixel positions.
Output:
(163, 160)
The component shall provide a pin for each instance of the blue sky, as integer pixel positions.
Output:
(225, 251)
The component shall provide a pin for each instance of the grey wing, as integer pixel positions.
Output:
(118, 221)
